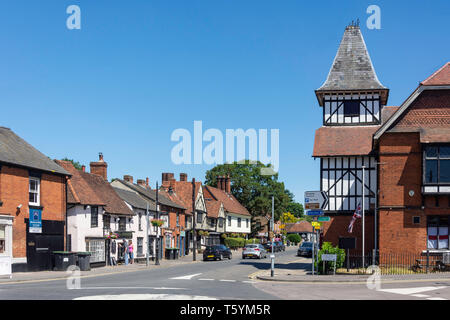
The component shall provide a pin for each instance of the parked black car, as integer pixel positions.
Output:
(305, 249)
(217, 252)
(268, 247)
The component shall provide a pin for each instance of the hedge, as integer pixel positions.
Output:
(294, 238)
(327, 248)
(252, 241)
(234, 243)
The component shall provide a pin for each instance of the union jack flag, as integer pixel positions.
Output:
(356, 215)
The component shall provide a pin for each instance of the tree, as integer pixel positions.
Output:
(288, 217)
(76, 164)
(253, 190)
(296, 209)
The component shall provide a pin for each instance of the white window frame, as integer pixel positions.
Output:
(38, 191)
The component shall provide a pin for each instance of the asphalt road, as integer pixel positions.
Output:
(228, 279)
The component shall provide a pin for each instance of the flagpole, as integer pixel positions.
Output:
(363, 215)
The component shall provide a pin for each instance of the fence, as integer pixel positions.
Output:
(398, 263)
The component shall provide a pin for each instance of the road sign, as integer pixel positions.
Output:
(323, 219)
(314, 213)
(316, 224)
(315, 200)
(329, 257)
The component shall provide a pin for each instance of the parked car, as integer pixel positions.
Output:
(276, 247)
(254, 251)
(281, 246)
(217, 252)
(305, 249)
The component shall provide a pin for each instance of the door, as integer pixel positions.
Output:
(39, 250)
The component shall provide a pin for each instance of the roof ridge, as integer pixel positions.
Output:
(435, 73)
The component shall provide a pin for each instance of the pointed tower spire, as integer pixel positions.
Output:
(352, 69)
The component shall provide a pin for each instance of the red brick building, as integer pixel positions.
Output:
(405, 153)
(31, 187)
(414, 177)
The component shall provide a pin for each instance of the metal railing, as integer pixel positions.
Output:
(398, 263)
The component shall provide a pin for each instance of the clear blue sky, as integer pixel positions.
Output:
(137, 70)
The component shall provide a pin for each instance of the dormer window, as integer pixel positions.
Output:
(351, 108)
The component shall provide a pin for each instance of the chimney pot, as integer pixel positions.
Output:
(141, 182)
(100, 168)
(83, 168)
(183, 176)
(128, 178)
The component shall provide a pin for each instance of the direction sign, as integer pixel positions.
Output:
(315, 200)
(316, 224)
(314, 212)
(323, 219)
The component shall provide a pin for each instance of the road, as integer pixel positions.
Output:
(228, 279)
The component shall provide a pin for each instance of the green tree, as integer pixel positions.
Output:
(76, 164)
(296, 209)
(252, 189)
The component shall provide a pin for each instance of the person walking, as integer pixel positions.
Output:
(130, 251)
(125, 251)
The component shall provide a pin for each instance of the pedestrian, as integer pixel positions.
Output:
(125, 251)
(130, 251)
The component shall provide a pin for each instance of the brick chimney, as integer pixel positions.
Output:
(147, 182)
(228, 184)
(183, 176)
(128, 178)
(220, 183)
(83, 168)
(166, 177)
(100, 167)
(141, 182)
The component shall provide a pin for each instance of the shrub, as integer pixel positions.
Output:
(327, 248)
(252, 241)
(234, 243)
(294, 237)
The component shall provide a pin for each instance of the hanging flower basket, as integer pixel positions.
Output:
(157, 223)
(111, 235)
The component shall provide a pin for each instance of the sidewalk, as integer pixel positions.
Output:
(100, 271)
(300, 271)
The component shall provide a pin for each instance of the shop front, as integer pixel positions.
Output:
(6, 245)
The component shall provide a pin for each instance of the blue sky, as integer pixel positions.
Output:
(138, 70)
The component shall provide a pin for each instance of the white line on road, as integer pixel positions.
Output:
(206, 279)
(109, 288)
(188, 277)
(228, 280)
(436, 298)
(420, 295)
(411, 290)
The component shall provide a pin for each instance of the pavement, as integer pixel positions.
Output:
(107, 270)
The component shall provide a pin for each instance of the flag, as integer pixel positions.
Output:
(356, 215)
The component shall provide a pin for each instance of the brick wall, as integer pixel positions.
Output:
(14, 188)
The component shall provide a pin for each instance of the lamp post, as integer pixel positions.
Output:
(147, 258)
(363, 214)
(272, 256)
(158, 228)
(194, 233)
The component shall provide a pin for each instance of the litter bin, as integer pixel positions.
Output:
(84, 261)
(62, 260)
(175, 253)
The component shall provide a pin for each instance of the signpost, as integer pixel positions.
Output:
(323, 219)
(329, 257)
(315, 200)
(314, 213)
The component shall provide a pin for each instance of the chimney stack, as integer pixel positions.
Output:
(83, 168)
(166, 177)
(100, 167)
(228, 184)
(141, 182)
(147, 182)
(183, 176)
(128, 178)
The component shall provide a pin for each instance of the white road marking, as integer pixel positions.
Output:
(436, 298)
(188, 277)
(248, 281)
(407, 291)
(420, 295)
(151, 288)
(206, 279)
(145, 297)
(228, 280)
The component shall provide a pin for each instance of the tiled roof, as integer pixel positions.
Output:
(91, 189)
(79, 190)
(213, 208)
(299, 227)
(182, 192)
(133, 199)
(230, 203)
(15, 150)
(343, 141)
(352, 68)
(151, 194)
(439, 78)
